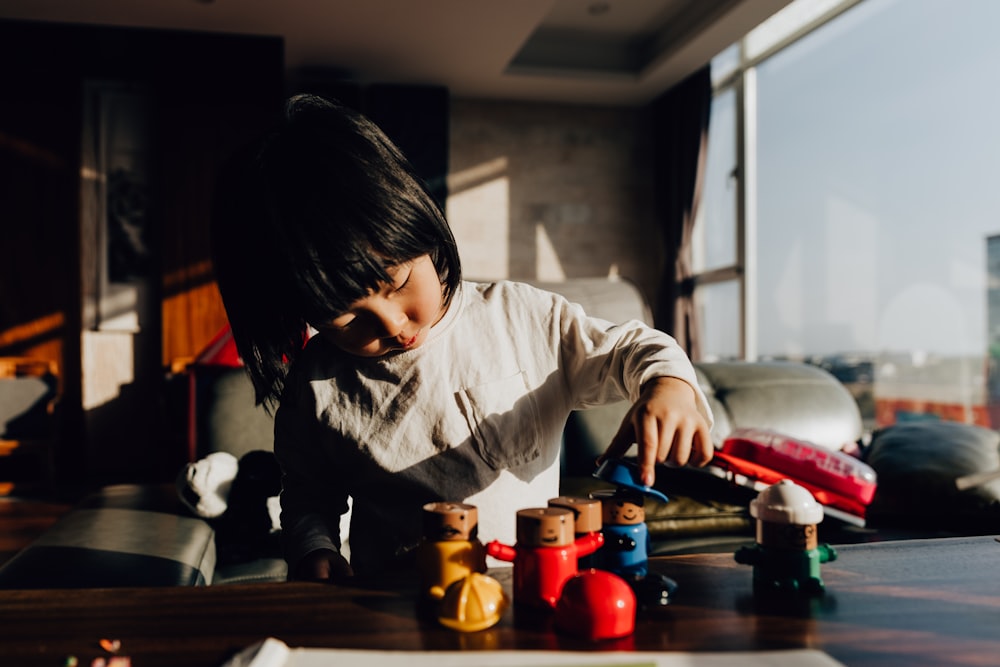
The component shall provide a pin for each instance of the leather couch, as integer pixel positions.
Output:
(134, 535)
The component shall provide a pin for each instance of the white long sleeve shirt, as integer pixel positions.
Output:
(475, 415)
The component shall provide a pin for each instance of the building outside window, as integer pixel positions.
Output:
(851, 215)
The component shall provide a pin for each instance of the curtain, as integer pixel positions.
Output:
(680, 139)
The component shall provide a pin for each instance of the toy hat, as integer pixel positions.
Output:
(786, 502)
(472, 603)
(596, 604)
(625, 474)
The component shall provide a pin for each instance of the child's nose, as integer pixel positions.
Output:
(391, 319)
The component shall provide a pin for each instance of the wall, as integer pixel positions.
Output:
(549, 192)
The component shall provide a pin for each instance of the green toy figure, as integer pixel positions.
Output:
(786, 558)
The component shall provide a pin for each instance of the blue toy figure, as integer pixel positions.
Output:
(787, 556)
(626, 536)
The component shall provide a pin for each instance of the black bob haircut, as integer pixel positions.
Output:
(306, 221)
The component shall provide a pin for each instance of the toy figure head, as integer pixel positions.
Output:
(786, 515)
(545, 527)
(788, 536)
(586, 512)
(445, 521)
(621, 507)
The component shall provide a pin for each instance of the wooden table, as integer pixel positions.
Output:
(920, 602)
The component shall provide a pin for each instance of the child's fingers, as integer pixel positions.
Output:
(621, 442)
(650, 441)
(703, 450)
(678, 448)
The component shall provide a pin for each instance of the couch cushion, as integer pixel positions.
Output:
(918, 464)
(796, 399)
(123, 535)
(103, 548)
(228, 419)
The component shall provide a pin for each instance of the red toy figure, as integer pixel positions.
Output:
(450, 549)
(586, 520)
(545, 555)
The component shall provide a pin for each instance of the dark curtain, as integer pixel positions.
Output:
(680, 138)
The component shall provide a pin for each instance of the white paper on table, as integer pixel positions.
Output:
(274, 653)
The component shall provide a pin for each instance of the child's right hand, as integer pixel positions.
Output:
(323, 565)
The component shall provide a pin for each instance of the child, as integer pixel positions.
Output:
(417, 387)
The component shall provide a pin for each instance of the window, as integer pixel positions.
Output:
(859, 144)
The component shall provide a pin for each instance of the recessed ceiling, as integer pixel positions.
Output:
(617, 52)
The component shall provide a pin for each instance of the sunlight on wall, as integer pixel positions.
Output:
(41, 328)
(547, 265)
(108, 359)
(478, 210)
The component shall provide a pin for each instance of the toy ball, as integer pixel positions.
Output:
(596, 604)
(472, 603)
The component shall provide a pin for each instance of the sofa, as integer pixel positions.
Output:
(139, 535)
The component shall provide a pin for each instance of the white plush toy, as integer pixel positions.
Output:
(204, 485)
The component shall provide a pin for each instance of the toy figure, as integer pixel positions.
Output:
(586, 520)
(450, 549)
(787, 555)
(545, 555)
(626, 536)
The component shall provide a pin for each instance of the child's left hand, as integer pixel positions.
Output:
(666, 425)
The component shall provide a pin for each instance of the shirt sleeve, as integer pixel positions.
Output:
(605, 362)
(312, 496)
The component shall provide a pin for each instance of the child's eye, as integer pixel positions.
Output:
(400, 284)
(343, 322)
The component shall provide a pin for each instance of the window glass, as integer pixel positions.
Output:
(720, 331)
(725, 63)
(878, 154)
(714, 241)
(784, 23)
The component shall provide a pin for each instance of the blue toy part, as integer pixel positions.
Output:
(626, 474)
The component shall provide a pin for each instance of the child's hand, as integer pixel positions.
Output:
(323, 565)
(666, 425)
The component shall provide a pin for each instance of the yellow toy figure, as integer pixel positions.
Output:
(787, 555)
(587, 520)
(450, 550)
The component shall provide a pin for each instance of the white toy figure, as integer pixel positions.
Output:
(787, 555)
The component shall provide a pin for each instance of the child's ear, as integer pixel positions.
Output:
(203, 486)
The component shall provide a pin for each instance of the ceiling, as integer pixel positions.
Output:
(615, 52)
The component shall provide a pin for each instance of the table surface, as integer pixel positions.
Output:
(919, 602)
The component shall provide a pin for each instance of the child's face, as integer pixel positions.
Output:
(395, 317)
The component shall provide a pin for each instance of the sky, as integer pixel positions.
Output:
(878, 159)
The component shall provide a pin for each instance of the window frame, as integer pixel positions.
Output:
(742, 80)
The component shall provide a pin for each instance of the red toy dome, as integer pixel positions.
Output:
(596, 604)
